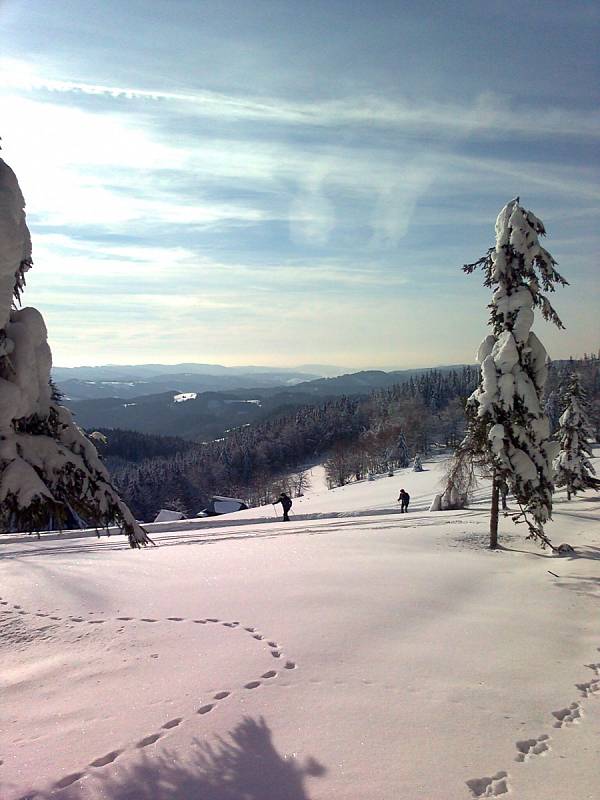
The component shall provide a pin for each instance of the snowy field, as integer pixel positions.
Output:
(351, 654)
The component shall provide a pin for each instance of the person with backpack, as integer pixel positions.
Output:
(403, 499)
(286, 504)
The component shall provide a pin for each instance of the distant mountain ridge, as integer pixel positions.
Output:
(144, 371)
(128, 382)
(205, 415)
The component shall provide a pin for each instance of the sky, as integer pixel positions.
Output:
(282, 183)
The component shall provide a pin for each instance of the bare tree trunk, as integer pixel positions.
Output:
(494, 513)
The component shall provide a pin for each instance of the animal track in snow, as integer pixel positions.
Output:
(148, 740)
(169, 725)
(68, 780)
(532, 747)
(589, 688)
(107, 759)
(567, 716)
(172, 723)
(489, 787)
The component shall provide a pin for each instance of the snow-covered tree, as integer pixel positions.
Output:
(552, 410)
(573, 468)
(417, 465)
(459, 483)
(50, 473)
(508, 429)
(401, 452)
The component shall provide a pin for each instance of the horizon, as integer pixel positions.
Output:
(591, 352)
(226, 183)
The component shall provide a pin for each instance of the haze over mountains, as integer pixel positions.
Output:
(128, 381)
(188, 401)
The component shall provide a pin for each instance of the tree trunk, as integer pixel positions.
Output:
(494, 513)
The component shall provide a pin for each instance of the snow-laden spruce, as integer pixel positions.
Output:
(507, 422)
(50, 473)
(400, 453)
(573, 468)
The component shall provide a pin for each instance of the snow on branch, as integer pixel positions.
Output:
(574, 470)
(50, 473)
(507, 424)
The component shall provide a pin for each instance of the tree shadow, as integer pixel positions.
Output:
(583, 551)
(586, 552)
(582, 585)
(243, 766)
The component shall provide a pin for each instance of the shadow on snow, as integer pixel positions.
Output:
(243, 766)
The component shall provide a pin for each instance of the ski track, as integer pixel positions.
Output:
(101, 761)
(527, 749)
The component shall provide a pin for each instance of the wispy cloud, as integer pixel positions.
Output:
(237, 227)
(489, 113)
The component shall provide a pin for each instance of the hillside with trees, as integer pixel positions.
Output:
(366, 434)
(354, 436)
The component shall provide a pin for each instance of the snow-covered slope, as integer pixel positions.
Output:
(353, 653)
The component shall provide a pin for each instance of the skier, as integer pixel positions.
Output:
(403, 499)
(286, 504)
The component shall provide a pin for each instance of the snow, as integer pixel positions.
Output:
(226, 505)
(351, 653)
(181, 398)
(166, 515)
(513, 364)
(56, 470)
(15, 241)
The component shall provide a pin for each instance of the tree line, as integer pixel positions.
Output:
(377, 431)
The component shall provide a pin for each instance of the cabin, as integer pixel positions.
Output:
(223, 505)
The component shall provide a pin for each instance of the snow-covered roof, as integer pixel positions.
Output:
(166, 515)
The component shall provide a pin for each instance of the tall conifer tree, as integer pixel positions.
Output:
(507, 425)
(573, 468)
(50, 472)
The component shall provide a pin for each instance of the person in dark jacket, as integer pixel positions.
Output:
(403, 499)
(286, 504)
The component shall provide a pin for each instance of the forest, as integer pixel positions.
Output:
(354, 436)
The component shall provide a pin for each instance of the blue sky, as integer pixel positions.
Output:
(280, 183)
